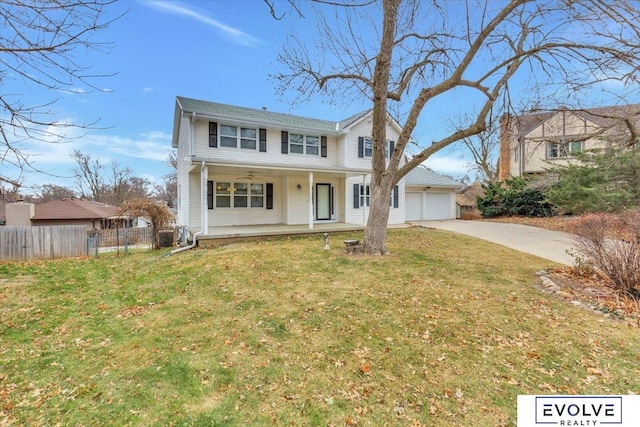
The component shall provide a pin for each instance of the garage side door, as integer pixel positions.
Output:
(438, 206)
(413, 206)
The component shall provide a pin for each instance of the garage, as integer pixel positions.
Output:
(413, 206)
(429, 196)
(438, 205)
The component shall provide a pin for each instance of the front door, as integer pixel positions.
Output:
(324, 201)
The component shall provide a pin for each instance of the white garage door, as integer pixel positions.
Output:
(413, 209)
(438, 206)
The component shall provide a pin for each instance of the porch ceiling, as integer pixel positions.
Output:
(242, 169)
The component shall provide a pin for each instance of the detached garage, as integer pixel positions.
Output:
(429, 196)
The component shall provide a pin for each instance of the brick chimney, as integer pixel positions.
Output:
(504, 162)
(19, 213)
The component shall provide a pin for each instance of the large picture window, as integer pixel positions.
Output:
(236, 195)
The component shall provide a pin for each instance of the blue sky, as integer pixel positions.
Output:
(220, 50)
(217, 50)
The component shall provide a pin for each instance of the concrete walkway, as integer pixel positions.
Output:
(547, 244)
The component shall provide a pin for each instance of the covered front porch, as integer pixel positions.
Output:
(244, 199)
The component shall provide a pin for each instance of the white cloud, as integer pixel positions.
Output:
(237, 36)
(148, 89)
(448, 165)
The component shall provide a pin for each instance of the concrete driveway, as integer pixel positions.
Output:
(547, 244)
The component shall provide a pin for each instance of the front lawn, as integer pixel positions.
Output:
(447, 330)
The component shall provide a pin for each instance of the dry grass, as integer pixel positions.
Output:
(447, 330)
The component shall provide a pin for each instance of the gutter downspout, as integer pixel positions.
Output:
(203, 212)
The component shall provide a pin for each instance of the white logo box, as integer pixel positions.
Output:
(578, 411)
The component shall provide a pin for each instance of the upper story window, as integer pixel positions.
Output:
(237, 137)
(365, 148)
(297, 143)
(304, 144)
(559, 150)
(234, 137)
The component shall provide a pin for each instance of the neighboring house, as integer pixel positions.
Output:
(94, 215)
(429, 196)
(242, 166)
(467, 201)
(532, 143)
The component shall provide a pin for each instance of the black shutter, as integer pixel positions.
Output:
(263, 140)
(356, 196)
(269, 195)
(285, 142)
(213, 134)
(323, 146)
(209, 194)
(392, 146)
(361, 147)
(396, 197)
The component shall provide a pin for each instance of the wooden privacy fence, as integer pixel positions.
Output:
(19, 243)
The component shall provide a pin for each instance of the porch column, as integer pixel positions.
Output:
(364, 200)
(310, 200)
(204, 211)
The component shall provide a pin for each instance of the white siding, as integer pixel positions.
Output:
(183, 173)
(351, 143)
(273, 155)
(194, 200)
(298, 208)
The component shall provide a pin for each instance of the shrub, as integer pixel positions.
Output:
(611, 244)
(514, 197)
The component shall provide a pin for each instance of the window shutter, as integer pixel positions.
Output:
(361, 147)
(209, 194)
(392, 146)
(269, 195)
(213, 134)
(396, 197)
(323, 146)
(356, 196)
(285, 142)
(263, 140)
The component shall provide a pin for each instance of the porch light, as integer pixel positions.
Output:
(299, 187)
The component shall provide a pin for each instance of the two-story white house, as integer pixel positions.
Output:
(240, 166)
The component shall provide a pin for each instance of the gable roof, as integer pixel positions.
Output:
(263, 117)
(73, 209)
(606, 117)
(424, 176)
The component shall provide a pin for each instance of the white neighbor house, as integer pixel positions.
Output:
(240, 166)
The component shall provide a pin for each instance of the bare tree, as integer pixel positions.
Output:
(168, 190)
(484, 149)
(42, 44)
(89, 174)
(156, 212)
(49, 192)
(112, 185)
(406, 54)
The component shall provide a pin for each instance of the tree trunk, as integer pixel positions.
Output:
(375, 232)
(382, 180)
